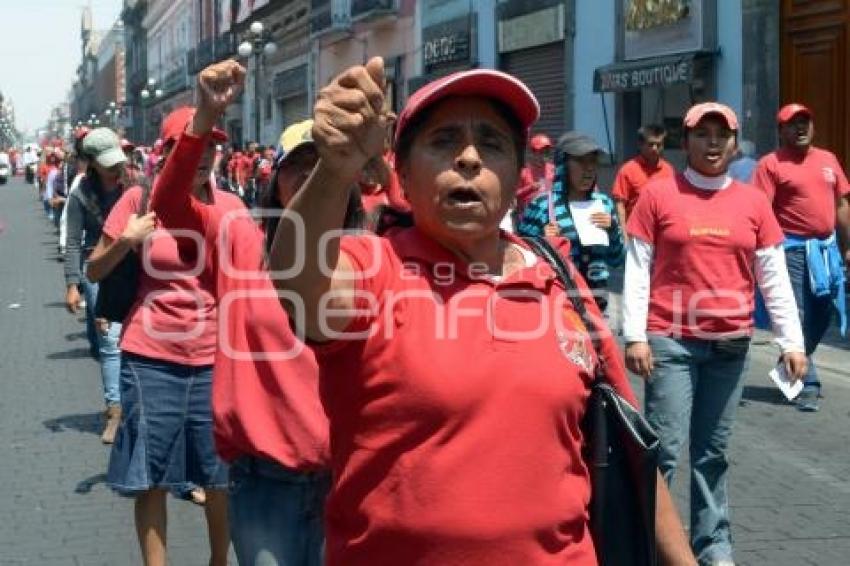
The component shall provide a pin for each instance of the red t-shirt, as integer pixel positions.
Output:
(702, 281)
(803, 190)
(246, 167)
(264, 170)
(532, 183)
(373, 196)
(266, 384)
(174, 317)
(456, 431)
(633, 175)
(233, 164)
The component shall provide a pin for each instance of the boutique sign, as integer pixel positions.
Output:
(654, 74)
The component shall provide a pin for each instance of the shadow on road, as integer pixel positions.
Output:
(766, 394)
(75, 336)
(87, 484)
(87, 422)
(55, 305)
(75, 354)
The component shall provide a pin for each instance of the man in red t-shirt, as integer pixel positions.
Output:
(538, 175)
(644, 167)
(810, 192)
(247, 171)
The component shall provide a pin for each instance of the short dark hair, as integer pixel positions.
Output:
(651, 130)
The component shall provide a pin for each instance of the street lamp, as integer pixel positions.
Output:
(149, 94)
(257, 42)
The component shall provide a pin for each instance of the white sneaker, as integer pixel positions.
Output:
(82, 304)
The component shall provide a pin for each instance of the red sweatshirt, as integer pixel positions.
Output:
(265, 381)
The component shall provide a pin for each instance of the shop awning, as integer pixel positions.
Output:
(657, 72)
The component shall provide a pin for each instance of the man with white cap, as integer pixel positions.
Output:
(810, 192)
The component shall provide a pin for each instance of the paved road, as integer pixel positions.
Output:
(789, 487)
(54, 507)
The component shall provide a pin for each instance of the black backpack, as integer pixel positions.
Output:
(117, 291)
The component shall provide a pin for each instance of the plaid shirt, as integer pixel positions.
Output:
(593, 262)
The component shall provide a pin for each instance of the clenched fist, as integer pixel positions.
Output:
(350, 122)
(218, 87)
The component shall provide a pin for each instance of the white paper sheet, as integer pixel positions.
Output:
(588, 233)
(783, 382)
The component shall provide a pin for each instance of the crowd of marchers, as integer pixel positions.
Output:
(375, 440)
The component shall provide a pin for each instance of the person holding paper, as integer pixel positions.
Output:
(699, 242)
(574, 209)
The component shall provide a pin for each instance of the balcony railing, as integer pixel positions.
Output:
(225, 46)
(329, 17)
(209, 51)
(368, 10)
(175, 81)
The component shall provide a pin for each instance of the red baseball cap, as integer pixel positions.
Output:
(787, 112)
(176, 122)
(699, 111)
(540, 142)
(487, 83)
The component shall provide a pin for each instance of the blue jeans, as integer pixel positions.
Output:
(104, 344)
(89, 291)
(276, 514)
(692, 395)
(815, 312)
(110, 363)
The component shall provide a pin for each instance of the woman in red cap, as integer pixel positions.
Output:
(168, 343)
(454, 413)
(269, 423)
(699, 243)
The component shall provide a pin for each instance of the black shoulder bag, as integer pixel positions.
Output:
(117, 291)
(621, 451)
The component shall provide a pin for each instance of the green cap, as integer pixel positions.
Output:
(104, 146)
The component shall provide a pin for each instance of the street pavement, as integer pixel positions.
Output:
(789, 487)
(54, 506)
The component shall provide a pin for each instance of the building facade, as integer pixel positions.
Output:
(351, 32)
(535, 43)
(814, 47)
(169, 25)
(136, 68)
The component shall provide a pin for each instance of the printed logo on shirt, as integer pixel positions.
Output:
(574, 341)
(829, 175)
(698, 231)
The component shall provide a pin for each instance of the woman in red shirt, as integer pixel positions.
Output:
(700, 241)
(269, 423)
(168, 343)
(453, 370)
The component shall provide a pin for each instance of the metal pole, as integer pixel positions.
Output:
(607, 128)
(256, 94)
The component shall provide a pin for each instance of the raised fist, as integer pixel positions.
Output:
(350, 122)
(218, 87)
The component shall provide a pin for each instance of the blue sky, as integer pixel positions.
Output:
(40, 51)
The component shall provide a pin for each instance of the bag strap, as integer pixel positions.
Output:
(544, 248)
(94, 209)
(145, 200)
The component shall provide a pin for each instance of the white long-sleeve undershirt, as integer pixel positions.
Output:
(770, 271)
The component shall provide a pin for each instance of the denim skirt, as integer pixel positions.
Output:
(165, 439)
